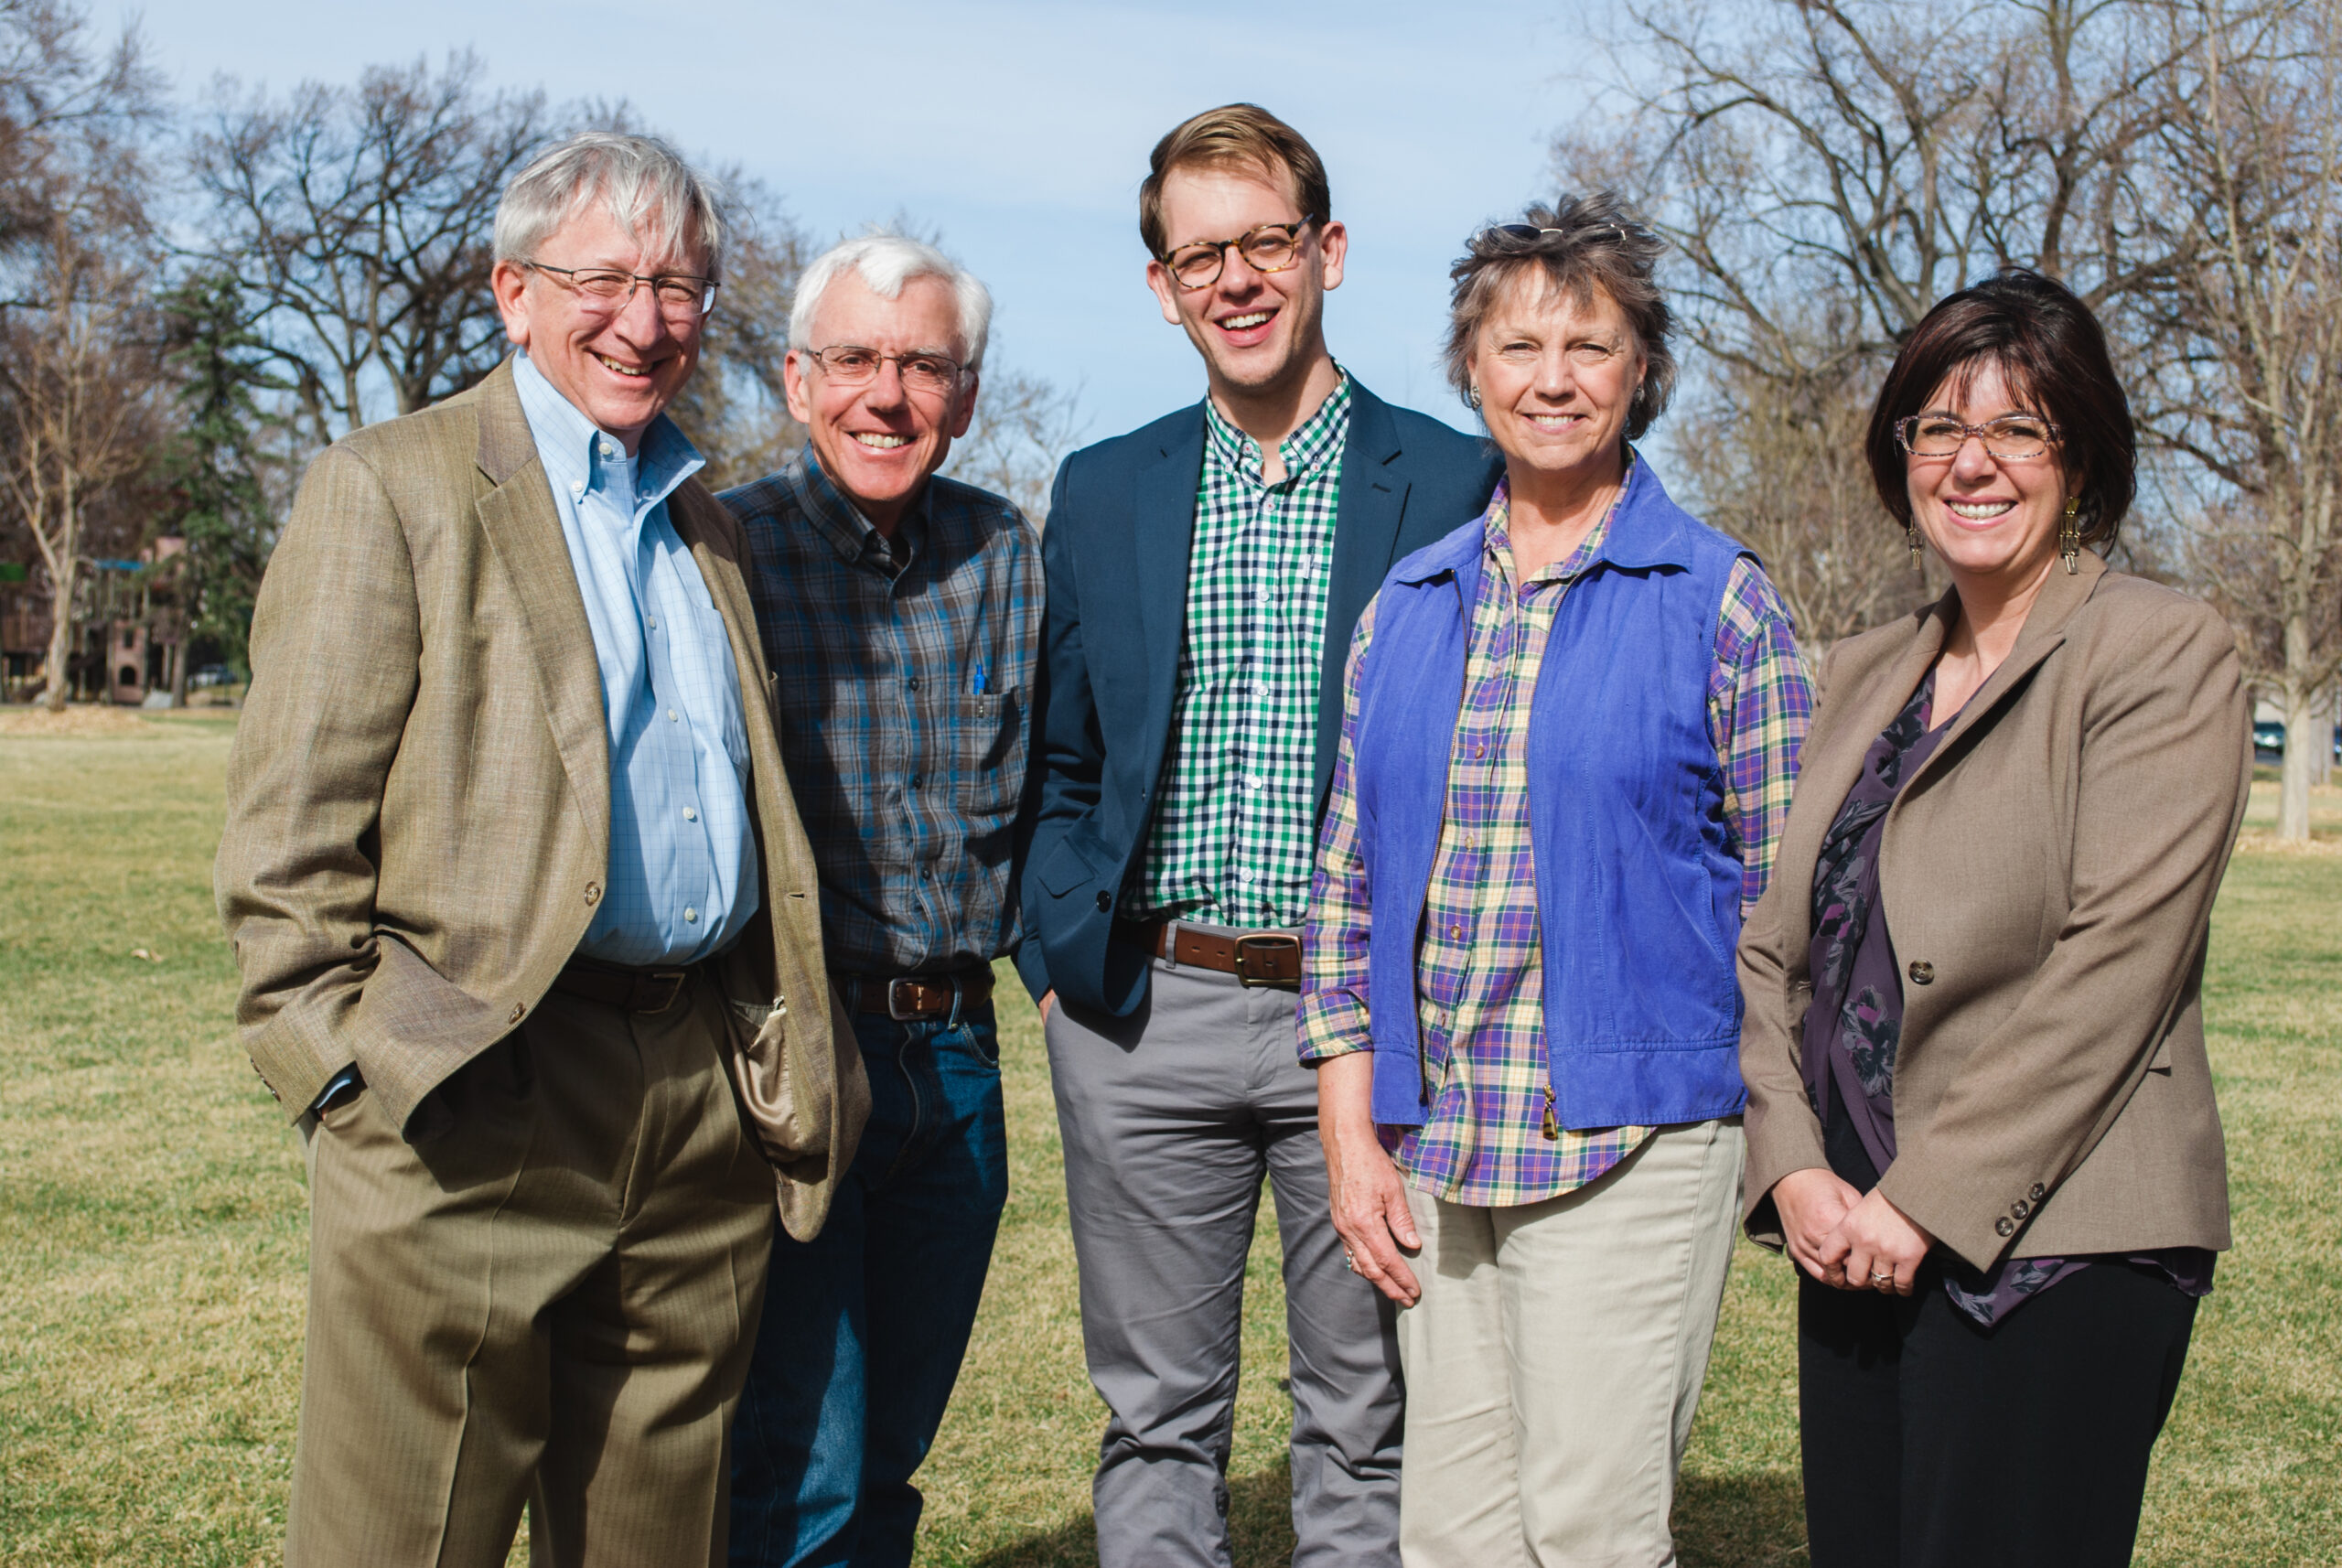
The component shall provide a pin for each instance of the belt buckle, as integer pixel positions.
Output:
(1275, 941)
(672, 979)
(895, 1007)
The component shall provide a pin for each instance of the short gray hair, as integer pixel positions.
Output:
(886, 262)
(1583, 243)
(669, 207)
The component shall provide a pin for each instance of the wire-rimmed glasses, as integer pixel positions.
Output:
(854, 365)
(681, 296)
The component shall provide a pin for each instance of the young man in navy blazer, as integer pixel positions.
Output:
(1205, 572)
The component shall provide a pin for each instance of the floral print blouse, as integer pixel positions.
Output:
(1855, 1027)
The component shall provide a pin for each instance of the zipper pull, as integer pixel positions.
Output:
(1551, 1129)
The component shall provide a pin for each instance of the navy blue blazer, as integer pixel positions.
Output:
(1121, 517)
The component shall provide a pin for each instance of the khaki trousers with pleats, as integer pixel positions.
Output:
(552, 1301)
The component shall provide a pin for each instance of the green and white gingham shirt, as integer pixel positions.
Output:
(1233, 836)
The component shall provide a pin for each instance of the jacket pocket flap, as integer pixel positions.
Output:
(1066, 868)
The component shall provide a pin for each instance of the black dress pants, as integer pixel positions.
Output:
(1931, 1442)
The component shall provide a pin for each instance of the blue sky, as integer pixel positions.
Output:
(1020, 130)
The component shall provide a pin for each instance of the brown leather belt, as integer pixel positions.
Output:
(623, 986)
(1254, 958)
(913, 997)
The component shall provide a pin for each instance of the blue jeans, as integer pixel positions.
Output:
(864, 1327)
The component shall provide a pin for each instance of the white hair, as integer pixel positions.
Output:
(667, 207)
(886, 262)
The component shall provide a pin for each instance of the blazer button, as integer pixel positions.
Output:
(518, 1008)
(2019, 1209)
(1922, 972)
(593, 892)
(2038, 1192)
(1105, 901)
(2005, 1226)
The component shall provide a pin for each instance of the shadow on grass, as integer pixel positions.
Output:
(1260, 1530)
(1750, 1521)
(1721, 1521)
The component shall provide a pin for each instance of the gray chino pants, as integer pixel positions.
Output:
(1170, 1118)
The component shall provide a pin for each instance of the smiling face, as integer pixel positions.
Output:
(1556, 379)
(1258, 332)
(878, 442)
(1989, 519)
(618, 368)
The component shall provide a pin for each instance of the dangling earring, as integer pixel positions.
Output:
(2070, 535)
(1473, 397)
(1911, 532)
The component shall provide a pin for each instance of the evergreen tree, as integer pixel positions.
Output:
(214, 460)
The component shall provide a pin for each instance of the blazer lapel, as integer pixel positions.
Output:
(524, 531)
(1371, 501)
(2043, 634)
(1832, 759)
(1163, 521)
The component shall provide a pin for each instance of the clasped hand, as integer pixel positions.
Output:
(1848, 1239)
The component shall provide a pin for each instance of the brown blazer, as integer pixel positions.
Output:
(2052, 867)
(419, 795)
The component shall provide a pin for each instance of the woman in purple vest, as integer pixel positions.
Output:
(1980, 1115)
(1569, 732)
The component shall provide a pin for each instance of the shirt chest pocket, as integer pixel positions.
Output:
(988, 745)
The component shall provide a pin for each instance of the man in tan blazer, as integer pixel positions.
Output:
(526, 923)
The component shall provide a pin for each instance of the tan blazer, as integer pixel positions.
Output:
(419, 795)
(2049, 879)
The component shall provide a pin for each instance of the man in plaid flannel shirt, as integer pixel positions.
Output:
(900, 614)
(1204, 574)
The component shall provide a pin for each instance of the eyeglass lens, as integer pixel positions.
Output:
(1271, 248)
(679, 298)
(850, 365)
(2013, 436)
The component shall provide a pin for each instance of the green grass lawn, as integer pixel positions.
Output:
(152, 1240)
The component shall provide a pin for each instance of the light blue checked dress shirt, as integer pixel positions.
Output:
(682, 875)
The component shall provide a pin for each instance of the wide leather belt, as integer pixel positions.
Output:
(914, 996)
(623, 986)
(1255, 957)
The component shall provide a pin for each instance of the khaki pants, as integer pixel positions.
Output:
(1554, 1360)
(554, 1300)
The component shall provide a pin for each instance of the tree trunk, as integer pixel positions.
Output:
(177, 653)
(2303, 740)
(60, 632)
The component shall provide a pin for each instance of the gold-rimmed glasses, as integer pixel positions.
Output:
(681, 296)
(2012, 437)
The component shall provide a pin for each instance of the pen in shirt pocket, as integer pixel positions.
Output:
(977, 689)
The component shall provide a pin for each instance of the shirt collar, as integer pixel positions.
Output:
(1498, 531)
(1318, 441)
(853, 536)
(572, 443)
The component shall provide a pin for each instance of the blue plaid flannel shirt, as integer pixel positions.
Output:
(905, 674)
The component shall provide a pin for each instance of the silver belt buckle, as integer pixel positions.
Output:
(894, 991)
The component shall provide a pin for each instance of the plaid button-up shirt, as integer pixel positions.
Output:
(1231, 841)
(1479, 972)
(904, 674)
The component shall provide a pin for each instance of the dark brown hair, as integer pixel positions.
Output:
(2052, 352)
(1583, 244)
(1234, 136)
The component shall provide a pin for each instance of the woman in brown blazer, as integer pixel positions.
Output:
(1980, 1116)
